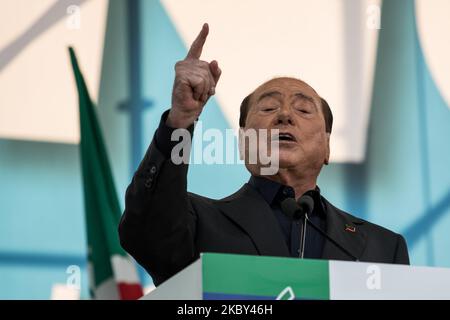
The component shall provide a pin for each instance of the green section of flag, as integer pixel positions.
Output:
(102, 207)
(265, 276)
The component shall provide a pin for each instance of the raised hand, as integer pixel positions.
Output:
(195, 81)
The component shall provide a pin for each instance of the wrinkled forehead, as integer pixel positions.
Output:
(286, 86)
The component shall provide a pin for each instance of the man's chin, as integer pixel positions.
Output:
(287, 162)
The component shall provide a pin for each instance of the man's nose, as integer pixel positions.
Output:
(284, 116)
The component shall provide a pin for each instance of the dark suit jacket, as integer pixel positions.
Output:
(164, 227)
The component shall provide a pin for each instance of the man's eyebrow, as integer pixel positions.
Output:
(269, 94)
(306, 97)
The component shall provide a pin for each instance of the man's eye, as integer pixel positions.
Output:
(268, 109)
(304, 110)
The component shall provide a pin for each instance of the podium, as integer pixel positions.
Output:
(240, 277)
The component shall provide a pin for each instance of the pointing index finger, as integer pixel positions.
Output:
(197, 46)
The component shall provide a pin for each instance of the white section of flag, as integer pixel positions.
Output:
(124, 270)
(107, 290)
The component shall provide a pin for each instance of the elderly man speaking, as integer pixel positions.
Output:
(165, 228)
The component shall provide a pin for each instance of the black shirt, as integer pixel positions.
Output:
(273, 193)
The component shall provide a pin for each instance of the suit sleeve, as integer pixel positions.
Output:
(401, 254)
(158, 225)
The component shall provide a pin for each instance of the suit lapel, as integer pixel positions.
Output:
(250, 211)
(345, 230)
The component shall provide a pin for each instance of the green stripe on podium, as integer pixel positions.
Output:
(265, 276)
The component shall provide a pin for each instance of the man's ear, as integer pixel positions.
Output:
(241, 144)
(327, 155)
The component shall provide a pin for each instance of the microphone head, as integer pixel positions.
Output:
(306, 203)
(291, 208)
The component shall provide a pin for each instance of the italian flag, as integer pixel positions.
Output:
(112, 273)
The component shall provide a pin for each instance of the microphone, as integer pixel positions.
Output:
(299, 210)
(291, 208)
(306, 203)
(302, 209)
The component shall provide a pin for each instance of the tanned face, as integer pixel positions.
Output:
(294, 108)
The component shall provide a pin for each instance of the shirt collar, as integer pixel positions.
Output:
(273, 191)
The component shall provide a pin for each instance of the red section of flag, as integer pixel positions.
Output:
(130, 291)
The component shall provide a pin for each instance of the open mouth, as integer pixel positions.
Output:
(284, 137)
